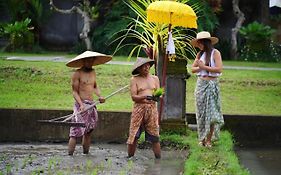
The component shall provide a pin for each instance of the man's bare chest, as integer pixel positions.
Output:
(87, 78)
(146, 84)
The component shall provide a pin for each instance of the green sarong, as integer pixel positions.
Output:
(208, 108)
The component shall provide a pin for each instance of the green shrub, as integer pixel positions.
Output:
(20, 36)
(258, 44)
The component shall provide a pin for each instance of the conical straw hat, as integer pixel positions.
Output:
(141, 61)
(99, 58)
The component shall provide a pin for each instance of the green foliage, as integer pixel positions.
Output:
(151, 37)
(220, 159)
(258, 45)
(20, 10)
(120, 17)
(207, 19)
(114, 21)
(158, 92)
(94, 12)
(16, 9)
(91, 9)
(19, 35)
(33, 9)
(256, 33)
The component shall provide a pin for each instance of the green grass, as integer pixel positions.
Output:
(245, 92)
(220, 159)
(46, 85)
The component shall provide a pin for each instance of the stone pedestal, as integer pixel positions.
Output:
(173, 117)
(175, 90)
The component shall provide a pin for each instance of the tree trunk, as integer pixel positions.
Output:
(86, 28)
(86, 21)
(241, 18)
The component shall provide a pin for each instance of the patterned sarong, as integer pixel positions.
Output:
(145, 116)
(208, 108)
(89, 117)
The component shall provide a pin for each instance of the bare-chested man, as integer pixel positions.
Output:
(84, 85)
(144, 115)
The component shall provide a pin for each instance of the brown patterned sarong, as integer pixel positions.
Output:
(89, 117)
(145, 116)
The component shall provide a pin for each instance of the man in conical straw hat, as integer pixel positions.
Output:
(84, 85)
(144, 115)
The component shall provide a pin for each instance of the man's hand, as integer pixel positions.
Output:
(101, 99)
(82, 107)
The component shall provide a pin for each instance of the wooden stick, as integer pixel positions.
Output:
(96, 103)
(55, 119)
(69, 117)
(77, 124)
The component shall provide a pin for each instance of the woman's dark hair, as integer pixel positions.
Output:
(208, 49)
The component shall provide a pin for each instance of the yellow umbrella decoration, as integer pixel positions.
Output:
(171, 12)
(174, 14)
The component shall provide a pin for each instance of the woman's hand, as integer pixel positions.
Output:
(200, 64)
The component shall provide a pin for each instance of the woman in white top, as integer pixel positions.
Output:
(208, 67)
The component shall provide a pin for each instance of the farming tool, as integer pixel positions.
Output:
(67, 120)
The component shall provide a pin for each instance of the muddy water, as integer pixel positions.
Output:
(260, 161)
(103, 159)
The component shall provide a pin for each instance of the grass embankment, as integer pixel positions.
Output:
(219, 159)
(46, 85)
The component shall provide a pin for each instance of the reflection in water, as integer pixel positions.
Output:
(172, 162)
(155, 169)
(260, 161)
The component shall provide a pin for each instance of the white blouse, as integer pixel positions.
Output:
(211, 64)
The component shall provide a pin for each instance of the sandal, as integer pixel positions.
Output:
(208, 145)
(201, 143)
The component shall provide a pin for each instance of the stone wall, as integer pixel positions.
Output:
(20, 125)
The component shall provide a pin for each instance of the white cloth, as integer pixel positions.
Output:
(211, 64)
(170, 45)
(276, 3)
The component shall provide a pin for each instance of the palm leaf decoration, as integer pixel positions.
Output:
(152, 37)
